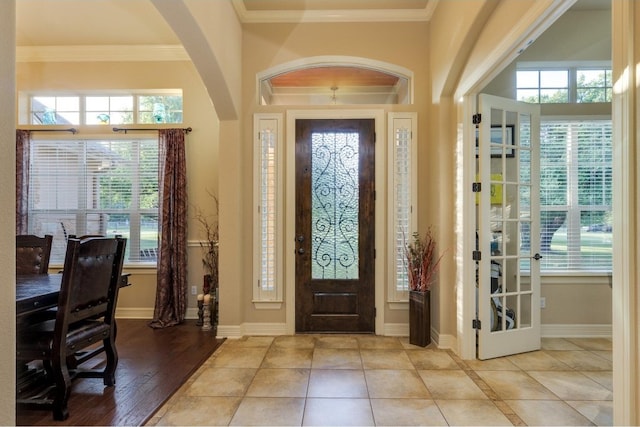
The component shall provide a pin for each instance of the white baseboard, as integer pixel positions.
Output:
(147, 313)
(134, 313)
(445, 341)
(254, 329)
(390, 329)
(576, 331)
(396, 330)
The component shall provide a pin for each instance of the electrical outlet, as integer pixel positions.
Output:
(194, 290)
(543, 302)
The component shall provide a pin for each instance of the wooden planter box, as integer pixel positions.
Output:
(420, 318)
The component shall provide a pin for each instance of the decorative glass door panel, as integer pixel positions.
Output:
(335, 225)
(334, 205)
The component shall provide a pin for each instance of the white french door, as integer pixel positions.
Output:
(508, 227)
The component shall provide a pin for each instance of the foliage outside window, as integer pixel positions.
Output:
(564, 85)
(594, 85)
(96, 187)
(576, 195)
(543, 86)
(105, 109)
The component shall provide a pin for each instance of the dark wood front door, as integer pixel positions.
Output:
(335, 224)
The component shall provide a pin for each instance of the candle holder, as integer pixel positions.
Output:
(207, 316)
(200, 321)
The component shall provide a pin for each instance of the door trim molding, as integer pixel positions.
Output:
(290, 196)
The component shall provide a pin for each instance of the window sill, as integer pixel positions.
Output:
(576, 278)
(267, 305)
(398, 305)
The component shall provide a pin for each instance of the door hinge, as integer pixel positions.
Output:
(477, 255)
(476, 187)
(476, 324)
(375, 312)
(375, 253)
(477, 118)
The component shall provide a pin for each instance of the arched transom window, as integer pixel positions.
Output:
(335, 80)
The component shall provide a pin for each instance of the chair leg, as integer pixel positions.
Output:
(112, 361)
(62, 381)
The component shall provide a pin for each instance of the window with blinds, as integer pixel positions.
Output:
(575, 195)
(95, 187)
(403, 182)
(268, 226)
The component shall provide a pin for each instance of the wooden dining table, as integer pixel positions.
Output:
(39, 292)
(36, 292)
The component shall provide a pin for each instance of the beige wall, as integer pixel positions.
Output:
(7, 213)
(201, 145)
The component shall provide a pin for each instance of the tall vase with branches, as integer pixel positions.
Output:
(422, 262)
(210, 245)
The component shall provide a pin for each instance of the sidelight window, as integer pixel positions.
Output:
(402, 209)
(268, 229)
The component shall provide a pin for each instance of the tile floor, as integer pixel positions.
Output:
(367, 380)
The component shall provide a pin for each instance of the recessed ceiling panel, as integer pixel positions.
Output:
(274, 5)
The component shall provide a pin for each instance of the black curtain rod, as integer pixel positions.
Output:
(72, 130)
(125, 130)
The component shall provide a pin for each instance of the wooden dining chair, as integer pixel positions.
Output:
(85, 316)
(32, 253)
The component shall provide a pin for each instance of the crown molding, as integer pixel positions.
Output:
(307, 16)
(101, 53)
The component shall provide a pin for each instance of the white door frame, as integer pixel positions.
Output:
(290, 212)
(625, 298)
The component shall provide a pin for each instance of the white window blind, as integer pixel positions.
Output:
(403, 182)
(96, 187)
(575, 195)
(267, 223)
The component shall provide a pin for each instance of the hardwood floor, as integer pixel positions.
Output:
(153, 364)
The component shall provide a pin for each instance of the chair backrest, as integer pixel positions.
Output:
(32, 253)
(90, 280)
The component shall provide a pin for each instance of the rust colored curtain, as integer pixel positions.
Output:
(171, 291)
(23, 143)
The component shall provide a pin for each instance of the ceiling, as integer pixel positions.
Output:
(265, 11)
(137, 22)
(129, 22)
